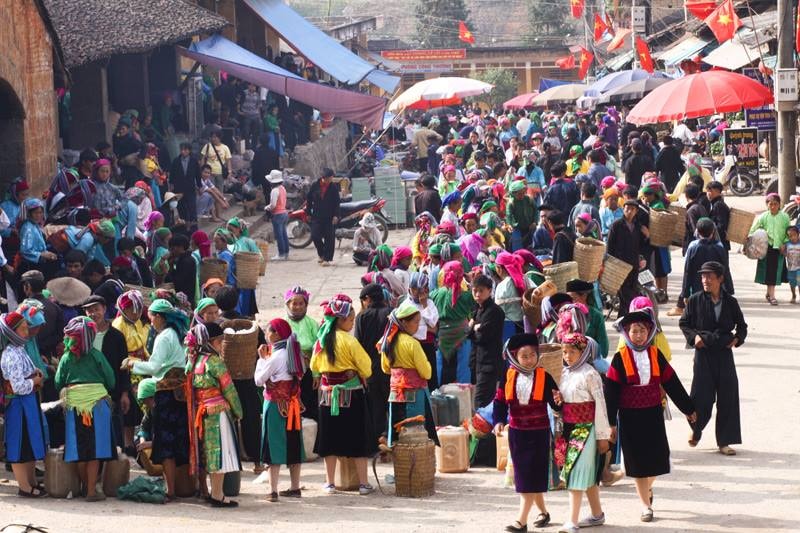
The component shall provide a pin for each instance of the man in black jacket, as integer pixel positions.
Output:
(184, 176)
(265, 160)
(637, 164)
(183, 267)
(563, 193)
(428, 198)
(713, 325)
(322, 205)
(625, 241)
(718, 211)
(695, 210)
(669, 163)
(486, 333)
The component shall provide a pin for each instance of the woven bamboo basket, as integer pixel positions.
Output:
(264, 247)
(662, 227)
(589, 255)
(147, 292)
(551, 360)
(240, 350)
(680, 227)
(739, 225)
(247, 266)
(414, 469)
(561, 273)
(614, 273)
(532, 307)
(211, 267)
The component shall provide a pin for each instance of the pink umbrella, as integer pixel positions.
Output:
(521, 102)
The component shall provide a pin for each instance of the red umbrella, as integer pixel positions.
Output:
(521, 102)
(700, 95)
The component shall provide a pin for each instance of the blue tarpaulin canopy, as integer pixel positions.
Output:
(318, 47)
(218, 52)
(547, 83)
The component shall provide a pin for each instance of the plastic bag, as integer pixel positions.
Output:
(757, 245)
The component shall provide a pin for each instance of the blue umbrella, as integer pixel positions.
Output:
(618, 79)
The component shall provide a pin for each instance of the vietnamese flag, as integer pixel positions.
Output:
(619, 39)
(701, 8)
(566, 63)
(600, 27)
(643, 53)
(723, 21)
(464, 34)
(576, 6)
(586, 61)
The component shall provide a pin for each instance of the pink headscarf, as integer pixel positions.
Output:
(151, 218)
(513, 264)
(200, 238)
(453, 275)
(400, 253)
(471, 246)
(530, 259)
(608, 182)
(446, 227)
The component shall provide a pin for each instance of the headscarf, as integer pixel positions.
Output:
(240, 223)
(136, 194)
(226, 235)
(104, 228)
(337, 307)
(130, 299)
(98, 164)
(446, 227)
(449, 250)
(151, 219)
(28, 206)
(513, 264)
(551, 305)
(8, 328)
(487, 205)
(32, 311)
(148, 191)
(491, 221)
(175, 317)
(435, 250)
(453, 276)
(513, 344)
(79, 334)
(641, 316)
(201, 240)
(529, 259)
(693, 166)
(393, 327)
(160, 238)
(367, 221)
(296, 363)
(146, 389)
(381, 258)
(419, 280)
(571, 319)
(517, 186)
(611, 192)
(202, 304)
(400, 253)
(17, 187)
(424, 221)
(453, 197)
(197, 341)
(471, 247)
(297, 290)
(588, 347)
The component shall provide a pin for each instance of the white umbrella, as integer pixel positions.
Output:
(437, 92)
(560, 94)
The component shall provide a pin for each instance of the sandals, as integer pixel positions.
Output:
(542, 520)
(36, 492)
(517, 527)
(223, 503)
(772, 301)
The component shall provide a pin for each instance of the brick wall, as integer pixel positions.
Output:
(26, 63)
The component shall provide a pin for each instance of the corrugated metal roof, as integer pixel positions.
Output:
(683, 49)
(616, 63)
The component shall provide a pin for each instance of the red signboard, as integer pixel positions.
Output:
(411, 56)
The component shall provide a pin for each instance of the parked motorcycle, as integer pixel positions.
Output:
(738, 183)
(299, 225)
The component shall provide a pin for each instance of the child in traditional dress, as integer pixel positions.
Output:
(305, 328)
(636, 376)
(280, 367)
(523, 401)
(25, 431)
(404, 360)
(586, 429)
(214, 406)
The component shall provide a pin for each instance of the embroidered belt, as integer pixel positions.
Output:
(403, 384)
(286, 395)
(335, 393)
(640, 396)
(579, 413)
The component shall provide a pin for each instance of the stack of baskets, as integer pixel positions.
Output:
(680, 227)
(240, 349)
(614, 273)
(662, 227)
(248, 265)
(264, 247)
(212, 267)
(589, 256)
(739, 225)
(561, 273)
(414, 463)
(551, 360)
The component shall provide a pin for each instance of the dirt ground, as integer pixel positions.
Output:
(757, 490)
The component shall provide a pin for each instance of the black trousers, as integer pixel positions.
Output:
(378, 394)
(252, 403)
(485, 386)
(187, 207)
(324, 237)
(627, 292)
(715, 380)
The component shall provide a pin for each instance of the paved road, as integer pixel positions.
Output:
(758, 490)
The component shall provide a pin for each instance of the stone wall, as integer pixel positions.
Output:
(26, 64)
(328, 151)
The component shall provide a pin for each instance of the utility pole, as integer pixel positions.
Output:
(787, 119)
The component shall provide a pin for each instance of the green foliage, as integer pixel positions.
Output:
(547, 19)
(505, 86)
(437, 23)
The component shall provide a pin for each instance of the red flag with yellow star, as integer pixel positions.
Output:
(723, 21)
(576, 6)
(586, 61)
(600, 27)
(701, 8)
(464, 34)
(566, 63)
(643, 53)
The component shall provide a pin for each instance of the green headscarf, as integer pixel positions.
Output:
(146, 389)
(517, 186)
(203, 303)
(175, 317)
(382, 258)
(435, 249)
(237, 222)
(487, 205)
(226, 235)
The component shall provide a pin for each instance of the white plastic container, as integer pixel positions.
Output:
(453, 454)
(463, 392)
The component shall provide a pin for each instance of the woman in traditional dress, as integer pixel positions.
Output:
(421, 242)
(771, 270)
(89, 379)
(223, 240)
(659, 261)
(33, 246)
(509, 292)
(636, 376)
(586, 429)
(419, 295)
(381, 262)
(280, 368)
(214, 407)
(167, 364)
(206, 312)
(345, 421)
(306, 329)
(454, 303)
(25, 432)
(243, 243)
(522, 403)
(159, 263)
(403, 358)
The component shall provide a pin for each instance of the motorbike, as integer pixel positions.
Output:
(738, 183)
(299, 225)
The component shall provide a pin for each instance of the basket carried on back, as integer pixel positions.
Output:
(551, 360)
(264, 247)
(561, 273)
(739, 225)
(248, 265)
(614, 273)
(662, 227)
(240, 349)
(211, 267)
(680, 227)
(589, 255)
